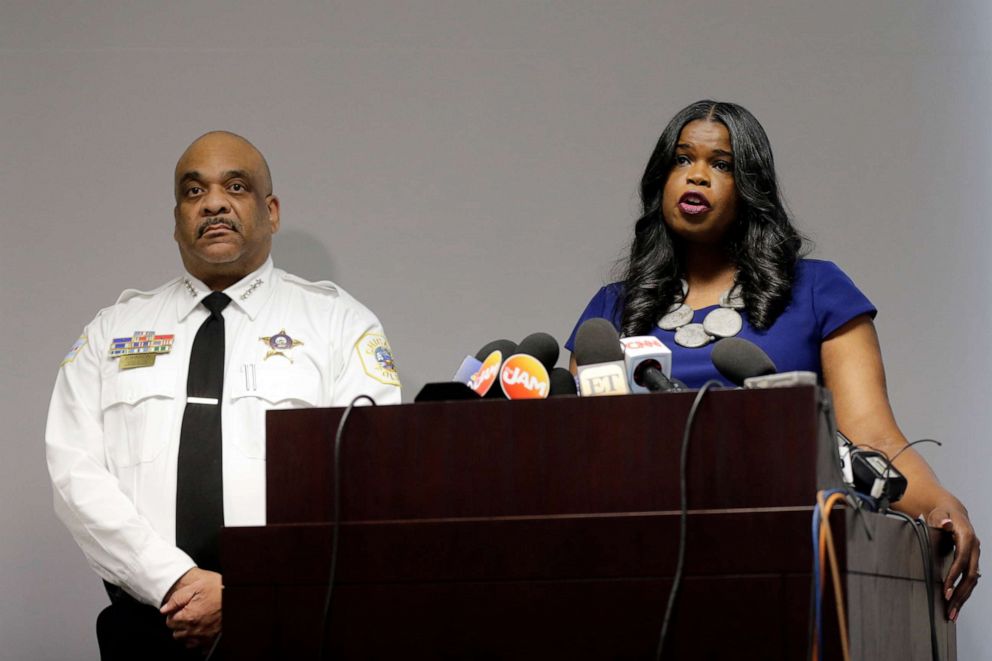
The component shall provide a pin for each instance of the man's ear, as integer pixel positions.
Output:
(272, 202)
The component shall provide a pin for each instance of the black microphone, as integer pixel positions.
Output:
(562, 383)
(738, 359)
(653, 379)
(506, 347)
(600, 359)
(542, 346)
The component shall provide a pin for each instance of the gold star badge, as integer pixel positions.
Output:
(279, 344)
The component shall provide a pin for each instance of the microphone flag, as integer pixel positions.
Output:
(465, 371)
(644, 352)
(486, 375)
(524, 377)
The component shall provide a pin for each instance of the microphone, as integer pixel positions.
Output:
(745, 364)
(525, 375)
(599, 359)
(482, 380)
(562, 383)
(738, 359)
(506, 348)
(542, 346)
(648, 363)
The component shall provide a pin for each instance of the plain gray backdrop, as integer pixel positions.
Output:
(469, 171)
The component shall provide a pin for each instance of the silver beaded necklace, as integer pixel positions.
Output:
(724, 321)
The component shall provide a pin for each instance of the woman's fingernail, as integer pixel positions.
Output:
(947, 593)
(954, 615)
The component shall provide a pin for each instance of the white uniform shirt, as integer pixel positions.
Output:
(113, 434)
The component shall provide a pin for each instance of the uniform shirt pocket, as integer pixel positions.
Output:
(260, 387)
(138, 407)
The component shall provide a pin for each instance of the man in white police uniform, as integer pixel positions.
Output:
(151, 449)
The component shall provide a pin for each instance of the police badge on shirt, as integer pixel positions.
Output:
(377, 358)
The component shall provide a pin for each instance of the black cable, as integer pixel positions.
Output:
(684, 513)
(336, 520)
(925, 536)
(890, 461)
(909, 445)
(923, 539)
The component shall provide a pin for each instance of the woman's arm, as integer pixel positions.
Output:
(853, 371)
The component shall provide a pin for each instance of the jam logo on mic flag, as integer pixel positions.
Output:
(524, 377)
(486, 375)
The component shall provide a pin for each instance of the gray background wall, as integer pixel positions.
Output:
(469, 171)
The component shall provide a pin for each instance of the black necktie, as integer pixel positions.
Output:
(200, 478)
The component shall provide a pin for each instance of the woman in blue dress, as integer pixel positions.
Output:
(715, 255)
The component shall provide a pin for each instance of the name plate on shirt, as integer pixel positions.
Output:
(137, 360)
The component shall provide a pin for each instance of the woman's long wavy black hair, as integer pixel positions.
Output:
(761, 241)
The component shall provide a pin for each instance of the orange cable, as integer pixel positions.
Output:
(825, 533)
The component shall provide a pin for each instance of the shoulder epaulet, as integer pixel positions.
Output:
(322, 286)
(129, 294)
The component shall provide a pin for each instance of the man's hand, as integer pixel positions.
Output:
(192, 607)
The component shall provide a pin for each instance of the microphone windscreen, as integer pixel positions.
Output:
(738, 359)
(562, 383)
(506, 347)
(542, 346)
(597, 341)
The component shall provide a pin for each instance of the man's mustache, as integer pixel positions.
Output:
(207, 223)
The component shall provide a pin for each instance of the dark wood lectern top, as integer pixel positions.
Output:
(751, 448)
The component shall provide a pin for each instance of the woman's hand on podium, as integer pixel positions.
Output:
(953, 517)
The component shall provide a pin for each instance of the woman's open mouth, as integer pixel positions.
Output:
(694, 203)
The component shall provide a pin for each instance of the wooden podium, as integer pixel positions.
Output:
(549, 529)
